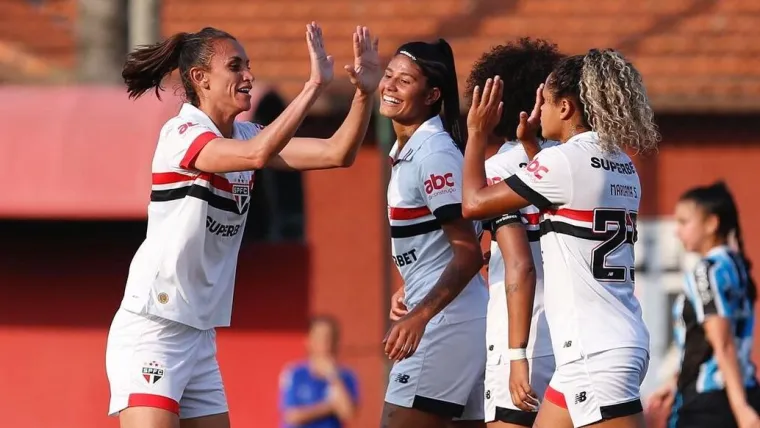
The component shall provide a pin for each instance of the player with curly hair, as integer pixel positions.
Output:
(588, 192)
(520, 356)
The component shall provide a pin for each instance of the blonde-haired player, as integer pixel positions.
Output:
(588, 191)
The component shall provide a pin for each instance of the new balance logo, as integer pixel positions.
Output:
(568, 344)
(402, 378)
(580, 397)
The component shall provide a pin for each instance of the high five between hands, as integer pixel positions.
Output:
(485, 111)
(364, 74)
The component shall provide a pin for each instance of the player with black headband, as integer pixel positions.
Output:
(439, 345)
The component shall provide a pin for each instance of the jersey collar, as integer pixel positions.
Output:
(430, 127)
(189, 111)
(588, 136)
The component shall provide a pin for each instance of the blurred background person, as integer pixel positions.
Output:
(319, 392)
(716, 385)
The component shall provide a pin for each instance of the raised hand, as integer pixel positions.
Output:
(366, 72)
(486, 108)
(321, 63)
(527, 130)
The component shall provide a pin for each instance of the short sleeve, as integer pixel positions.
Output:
(287, 389)
(545, 181)
(440, 178)
(183, 141)
(710, 290)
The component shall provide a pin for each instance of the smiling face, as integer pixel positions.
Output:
(405, 95)
(227, 80)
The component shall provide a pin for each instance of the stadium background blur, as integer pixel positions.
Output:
(75, 162)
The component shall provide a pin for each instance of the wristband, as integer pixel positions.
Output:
(517, 354)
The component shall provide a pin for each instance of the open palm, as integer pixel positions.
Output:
(321, 62)
(366, 72)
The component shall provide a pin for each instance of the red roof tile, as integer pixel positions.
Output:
(696, 55)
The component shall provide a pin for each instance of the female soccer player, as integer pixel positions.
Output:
(716, 386)
(588, 192)
(514, 380)
(161, 351)
(439, 346)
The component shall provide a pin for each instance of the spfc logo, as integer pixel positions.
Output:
(152, 372)
(241, 189)
(242, 194)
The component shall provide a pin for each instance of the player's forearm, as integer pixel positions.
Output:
(345, 143)
(520, 285)
(474, 172)
(463, 267)
(305, 414)
(728, 363)
(531, 148)
(271, 140)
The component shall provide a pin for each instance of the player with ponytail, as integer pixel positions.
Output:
(161, 351)
(716, 385)
(438, 345)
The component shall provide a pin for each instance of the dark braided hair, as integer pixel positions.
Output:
(147, 66)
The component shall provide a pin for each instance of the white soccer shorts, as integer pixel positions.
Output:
(600, 386)
(445, 375)
(498, 400)
(154, 362)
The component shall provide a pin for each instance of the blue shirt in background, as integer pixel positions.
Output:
(299, 387)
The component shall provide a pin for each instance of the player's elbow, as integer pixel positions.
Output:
(258, 158)
(343, 160)
(521, 272)
(470, 257)
(723, 346)
(470, 209)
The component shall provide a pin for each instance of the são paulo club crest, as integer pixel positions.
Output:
(152, 372)
(241, 188)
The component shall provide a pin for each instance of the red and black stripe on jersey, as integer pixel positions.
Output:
(442, 215)
(193, 189)
(556, 221)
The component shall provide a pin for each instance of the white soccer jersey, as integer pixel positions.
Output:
(425, 190)
(589, 201)
(184, 271)
(510, 158)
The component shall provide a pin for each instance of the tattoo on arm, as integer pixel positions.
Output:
(452, 281)
(512, 288)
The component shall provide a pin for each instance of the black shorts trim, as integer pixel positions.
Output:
(438, 407)
(526, 192)
(515, 417)
(619, 410)
(708, 409)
